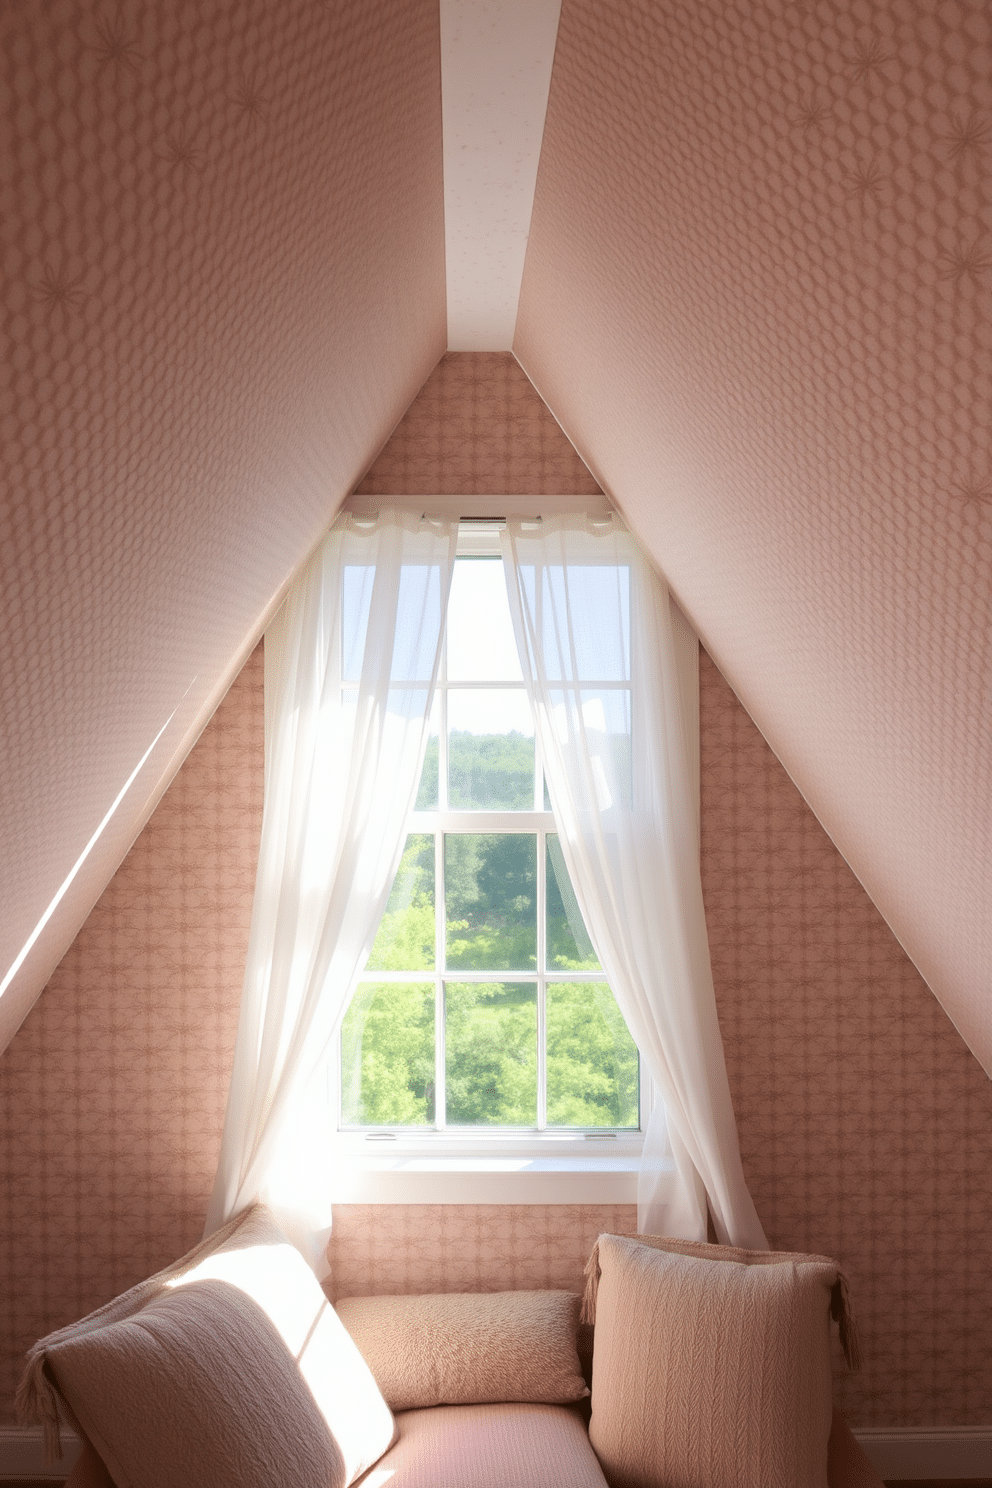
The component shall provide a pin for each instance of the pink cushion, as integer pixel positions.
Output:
(469, 1348)
(709, 1372)
(488, 1446)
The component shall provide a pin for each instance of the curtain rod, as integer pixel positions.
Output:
(479, 508)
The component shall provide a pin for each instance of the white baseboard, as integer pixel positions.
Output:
(918, 1452)
(22, 1454)
(954, 1452)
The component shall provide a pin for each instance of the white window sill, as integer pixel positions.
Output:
(466, 1173)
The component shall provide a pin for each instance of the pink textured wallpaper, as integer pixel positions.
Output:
(222, 270)
(112, 1093)
(758, 295)
(477, 428)
(383, 1250)
(865, 1123)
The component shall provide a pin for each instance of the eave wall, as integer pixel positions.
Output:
(758, 296)
(223, 277)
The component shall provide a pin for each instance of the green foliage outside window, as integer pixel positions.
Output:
(490, 772)
(388, 1034)
(592, 1059)
(490, 885)
(491, 1049)
(387, 1055)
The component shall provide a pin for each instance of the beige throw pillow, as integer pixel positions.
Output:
(230, 1368)
(710, 1371)
(469, 1348)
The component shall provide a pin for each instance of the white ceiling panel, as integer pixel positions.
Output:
(496, 58)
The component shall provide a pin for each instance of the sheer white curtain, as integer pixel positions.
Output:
(351, 663)
(594, 631)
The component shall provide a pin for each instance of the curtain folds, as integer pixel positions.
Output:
(594, 631)
(351, 663)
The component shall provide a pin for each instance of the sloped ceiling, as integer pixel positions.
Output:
(222, 252)
(758, 296)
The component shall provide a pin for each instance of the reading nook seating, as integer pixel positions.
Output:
(711, 1368)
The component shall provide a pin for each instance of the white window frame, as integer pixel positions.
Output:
(490, 1165)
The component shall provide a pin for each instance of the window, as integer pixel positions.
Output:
(483, 1008)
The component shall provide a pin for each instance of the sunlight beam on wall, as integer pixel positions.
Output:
(67, 881)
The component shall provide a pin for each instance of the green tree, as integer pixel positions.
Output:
(592, 1060)
(568, 945)
(507, 874)
(388, 1033)
(491, 1054)
(387, 1055)
(490, 896)
(494, 772)
(427, 791)
(405, 938)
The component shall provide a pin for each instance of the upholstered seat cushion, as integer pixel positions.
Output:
(488, 1446)
(847, 1465)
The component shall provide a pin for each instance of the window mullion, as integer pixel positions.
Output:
(542, 1034)
(538, 773)
(440, 951)
(440, 926)
(442, 742)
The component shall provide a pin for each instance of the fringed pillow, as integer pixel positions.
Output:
(231, 1367)
(711, 1366)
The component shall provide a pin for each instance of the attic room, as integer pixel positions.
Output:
(735, 284)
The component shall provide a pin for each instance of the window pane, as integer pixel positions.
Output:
(602, 719)
(592, 1059)
(418, 618)
(491, 1053)
(418, 622)
(481, 645)
(491, 900)
(427, 798)
(568, 944)
(490, 751)
(387, 1056)
(406, 934)
(356, 597)
(583, 618)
